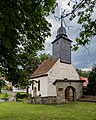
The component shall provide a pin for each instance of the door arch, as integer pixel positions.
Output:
(70, 93)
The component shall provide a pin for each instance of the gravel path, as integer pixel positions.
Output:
(2, 100)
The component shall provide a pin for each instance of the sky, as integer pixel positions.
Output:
(82, 58)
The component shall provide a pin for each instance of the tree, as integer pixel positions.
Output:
(83, 73)
(1, 83)
(84, 10)
(23, 29)
(92, 81)
(0, 86)
(43, 57)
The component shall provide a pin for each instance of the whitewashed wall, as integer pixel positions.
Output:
(18, 89)
(43, 86)
(60, 71)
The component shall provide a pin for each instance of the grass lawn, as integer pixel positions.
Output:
(67, 111)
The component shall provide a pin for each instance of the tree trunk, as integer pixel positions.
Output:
(27, 90)
(0, 89)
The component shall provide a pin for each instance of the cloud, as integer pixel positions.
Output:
(81, 58)
(84, 58)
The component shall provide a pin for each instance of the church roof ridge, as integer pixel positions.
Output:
(43, 68)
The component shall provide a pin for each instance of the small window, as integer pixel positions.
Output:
(60, 89)
(65, 78)
(39, 85)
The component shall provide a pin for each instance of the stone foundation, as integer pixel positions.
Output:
(42, 100)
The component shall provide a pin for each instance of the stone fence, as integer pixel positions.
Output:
(42, 100)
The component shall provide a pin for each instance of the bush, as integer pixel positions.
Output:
(6, 97)
(21, 96)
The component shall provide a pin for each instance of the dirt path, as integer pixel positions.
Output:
(88, 98)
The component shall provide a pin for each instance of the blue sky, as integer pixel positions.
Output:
(82, 58)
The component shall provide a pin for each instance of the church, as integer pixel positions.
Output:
(57, 79)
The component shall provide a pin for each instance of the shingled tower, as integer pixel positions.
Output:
(61, 46)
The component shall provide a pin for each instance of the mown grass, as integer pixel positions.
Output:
(67, 111)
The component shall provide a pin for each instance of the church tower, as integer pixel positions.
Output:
(61, 46)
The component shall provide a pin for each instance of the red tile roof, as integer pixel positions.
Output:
(86, 81)
(43, 68)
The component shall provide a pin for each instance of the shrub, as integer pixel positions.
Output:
(6, 97)
(21, 96)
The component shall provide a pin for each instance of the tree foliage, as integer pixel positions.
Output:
(84, 11)
(83, 73)
(2, 83)
(23, 29)
(92, 80)
(43, 57)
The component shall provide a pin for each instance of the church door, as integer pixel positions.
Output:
(70, 93)
(35, 91)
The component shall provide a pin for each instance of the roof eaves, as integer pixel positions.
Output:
(61, 37)
(37, 76)
(67, 81)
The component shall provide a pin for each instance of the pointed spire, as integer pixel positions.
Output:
(61, 30)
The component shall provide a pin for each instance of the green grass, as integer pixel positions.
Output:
(68, 111)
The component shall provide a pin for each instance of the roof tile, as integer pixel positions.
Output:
(43, 68)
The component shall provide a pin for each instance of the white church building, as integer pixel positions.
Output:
(57, 77)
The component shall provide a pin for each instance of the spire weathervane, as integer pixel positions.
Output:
(61, 17)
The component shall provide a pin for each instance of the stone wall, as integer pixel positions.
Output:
(76, 85)
(42, 100)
